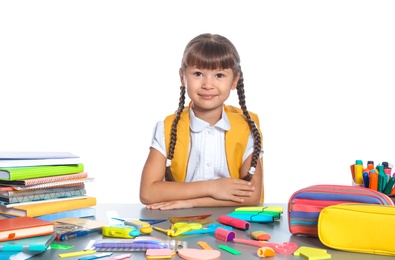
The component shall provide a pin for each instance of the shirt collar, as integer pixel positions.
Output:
(198, 125)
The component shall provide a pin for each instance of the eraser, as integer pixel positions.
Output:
(154, 253)
(260, 235)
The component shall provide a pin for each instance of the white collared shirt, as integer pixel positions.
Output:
(207, 157)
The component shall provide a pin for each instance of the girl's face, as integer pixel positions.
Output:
(208, 89)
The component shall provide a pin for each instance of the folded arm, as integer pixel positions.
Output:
(159, 194)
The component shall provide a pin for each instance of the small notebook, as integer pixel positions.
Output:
(24, 227)
(39, 243)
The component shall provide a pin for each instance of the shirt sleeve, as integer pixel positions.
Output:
(158, 138)
(250, 148)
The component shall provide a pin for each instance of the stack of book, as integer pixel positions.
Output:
(45, 185)
(25, 235)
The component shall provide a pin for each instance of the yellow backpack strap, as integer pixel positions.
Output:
(180, 159)
(236, 140)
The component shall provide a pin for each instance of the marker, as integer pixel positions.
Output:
(390, 184)
(382, 178)
(358, 168)
(373, 180)
(365, 177)
(370, 165)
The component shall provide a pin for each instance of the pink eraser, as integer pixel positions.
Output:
(224, 234)
(234, 222)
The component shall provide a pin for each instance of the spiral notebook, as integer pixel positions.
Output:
(22, 173)
(78, 177)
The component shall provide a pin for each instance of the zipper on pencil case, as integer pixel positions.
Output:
(313, 205)
(384, 199)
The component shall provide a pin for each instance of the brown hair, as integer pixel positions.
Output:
(213, 51)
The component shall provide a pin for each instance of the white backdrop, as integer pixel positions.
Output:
(93, 77)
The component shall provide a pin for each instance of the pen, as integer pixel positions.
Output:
(73, 234)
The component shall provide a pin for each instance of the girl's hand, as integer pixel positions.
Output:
(176, 204)
(230, 189)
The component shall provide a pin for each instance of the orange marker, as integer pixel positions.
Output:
(373, 180)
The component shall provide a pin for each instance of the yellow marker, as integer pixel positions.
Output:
(204, 245)
(86, 252)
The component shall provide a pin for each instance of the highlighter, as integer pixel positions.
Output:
(358, 169)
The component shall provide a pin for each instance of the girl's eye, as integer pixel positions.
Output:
(198, 74)
(220, 75)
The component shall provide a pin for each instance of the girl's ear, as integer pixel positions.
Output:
(235, 81)
(181, 77)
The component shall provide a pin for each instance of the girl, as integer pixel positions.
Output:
(206, 154)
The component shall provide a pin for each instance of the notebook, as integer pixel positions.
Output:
(23, 227)
(37, 181)
(22, 173)
(49, 207)
(38, 243)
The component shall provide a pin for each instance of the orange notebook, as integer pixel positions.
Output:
(44, 208)
(24, 227)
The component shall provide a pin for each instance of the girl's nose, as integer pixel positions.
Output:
(207, 83)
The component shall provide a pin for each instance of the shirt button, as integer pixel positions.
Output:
(210, 132)
(208, 164)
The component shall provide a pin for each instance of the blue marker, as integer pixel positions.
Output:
(365, 177)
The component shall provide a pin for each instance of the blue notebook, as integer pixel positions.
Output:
(37, 244)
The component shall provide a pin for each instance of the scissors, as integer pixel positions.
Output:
(182, 227)
(207, 230)
(283, 248)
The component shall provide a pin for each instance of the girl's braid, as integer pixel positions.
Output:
(173, 139)
(253, 128)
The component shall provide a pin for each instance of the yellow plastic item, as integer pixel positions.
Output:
(361, 228)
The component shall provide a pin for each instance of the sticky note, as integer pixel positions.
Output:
(312, 253)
